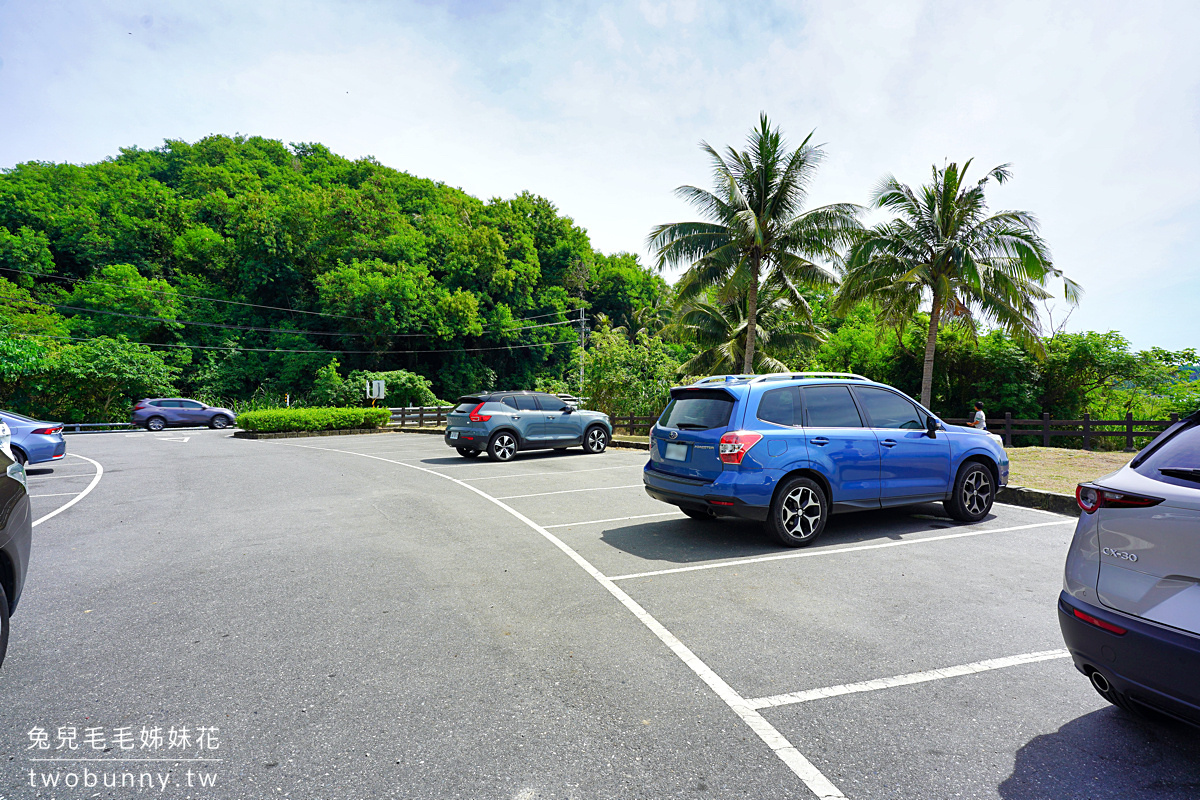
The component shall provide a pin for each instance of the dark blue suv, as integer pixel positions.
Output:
(790, 449)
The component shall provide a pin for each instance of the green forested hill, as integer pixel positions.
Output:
(315, 257)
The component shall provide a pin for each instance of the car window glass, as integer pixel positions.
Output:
(466, 405)
(1178, 455)
(526, 402)
(168, 404)
(509, 401)
(889, 410)
(189, 404)
(697, 410)
(549, 403)
(156, 403)
(779, 406)
(830, 407)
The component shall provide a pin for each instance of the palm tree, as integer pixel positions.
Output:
(756, 229)
(943, 246)
(723, 330)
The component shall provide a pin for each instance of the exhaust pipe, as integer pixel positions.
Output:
(1100, 682)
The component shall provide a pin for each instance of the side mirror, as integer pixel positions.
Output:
(568, 410)
(932, 426)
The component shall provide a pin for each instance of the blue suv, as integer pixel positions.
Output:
(791, 449)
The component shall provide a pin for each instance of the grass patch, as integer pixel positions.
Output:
(274, 420)
(1055, 469)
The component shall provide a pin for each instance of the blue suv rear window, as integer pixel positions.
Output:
(697, 410)
(781, 406)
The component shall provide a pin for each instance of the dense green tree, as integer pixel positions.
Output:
(756, 234)
(944, 246)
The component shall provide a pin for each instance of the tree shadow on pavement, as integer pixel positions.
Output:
(1108, 755)
(689, 541)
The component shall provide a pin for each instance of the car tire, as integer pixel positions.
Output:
(155, 424)
(974, 493)
(219, 422)
(20, 457)
(467, 452)
(707, 516)
(799, 513)
(595, 440)
(502, 447)
(3, 623)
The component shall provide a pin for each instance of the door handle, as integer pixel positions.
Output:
(820, 441)
(888, 443)
(515, 416)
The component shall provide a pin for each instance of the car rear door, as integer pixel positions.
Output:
(686, 439)
(911, 463)
(559, 423)
(1150, 554)
(528, 418)
(841, 446)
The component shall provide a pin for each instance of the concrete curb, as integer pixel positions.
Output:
(435, 431)
(631, 442)
(303, 434)
(1037, 498)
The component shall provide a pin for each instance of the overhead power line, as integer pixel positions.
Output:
(20, 303)
(217, 299)
(289, 350)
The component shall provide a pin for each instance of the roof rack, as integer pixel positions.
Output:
(723, 379)
(787, 376)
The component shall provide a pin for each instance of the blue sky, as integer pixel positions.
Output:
(600, 106)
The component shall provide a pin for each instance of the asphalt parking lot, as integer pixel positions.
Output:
(373, 616)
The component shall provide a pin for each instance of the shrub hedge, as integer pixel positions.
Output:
(272, 420)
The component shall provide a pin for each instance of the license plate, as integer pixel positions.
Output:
(453, 434)
(676, 452)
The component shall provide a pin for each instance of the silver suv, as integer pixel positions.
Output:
(1130, 606)
(502, 423)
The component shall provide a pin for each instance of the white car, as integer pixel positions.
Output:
(1130, 606)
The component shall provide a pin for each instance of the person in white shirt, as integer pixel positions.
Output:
(980, 419)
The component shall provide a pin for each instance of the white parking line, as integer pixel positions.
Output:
(56, 494)
(905, 680)
(1027, 508)
(836, 550)
(78, 497)
(570, 491)
(56, 477)
(613, 519)
(804, 769)
(558, 472)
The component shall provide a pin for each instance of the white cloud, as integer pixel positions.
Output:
(601, 108)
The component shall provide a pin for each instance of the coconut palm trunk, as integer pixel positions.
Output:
(751, 318)
(935, 314)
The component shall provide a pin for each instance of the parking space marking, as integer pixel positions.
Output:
(905, 680)
(614, 519)
(1029, 508)
(556, 472)
(571, 491)
(95, 480)
(56, 494)
(56, 477)
(837, 550)
(804, 769)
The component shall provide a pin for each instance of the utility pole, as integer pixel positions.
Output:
(582, 344)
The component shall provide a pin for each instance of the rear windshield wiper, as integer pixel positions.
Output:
(690, 426)
(1187, 473)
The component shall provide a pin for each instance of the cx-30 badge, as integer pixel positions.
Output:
(1108, 551)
